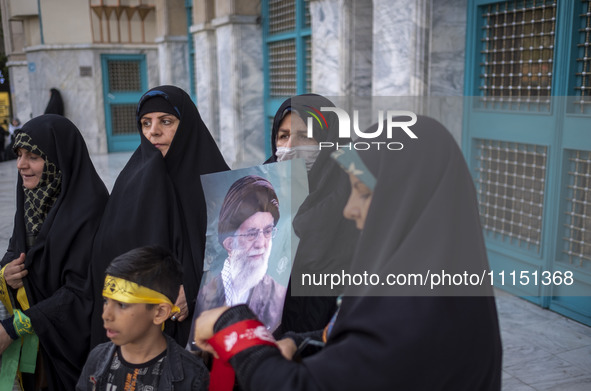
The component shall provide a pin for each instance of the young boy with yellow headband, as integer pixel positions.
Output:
(139, 291)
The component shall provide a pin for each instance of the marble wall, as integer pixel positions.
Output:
(59, 67)
(19, 90)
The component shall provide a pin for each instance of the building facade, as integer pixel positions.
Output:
(510, 79)
(238, 59)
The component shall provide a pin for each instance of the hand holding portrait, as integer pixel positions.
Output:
(181, 302)
(204, 328)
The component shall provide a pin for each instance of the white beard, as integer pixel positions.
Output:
(247, 273)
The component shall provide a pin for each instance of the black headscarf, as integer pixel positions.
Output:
(424, 207)
(158, 200)
(301, 104)
(423, 216)
(423, 211)
(279, 115)
(55, 104)
(327, 239)
(58, 260)
(38, 201)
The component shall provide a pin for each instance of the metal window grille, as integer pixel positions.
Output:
(307, 17)
(282, 68)
(124, 76)
(191, 49)
(123, 119)
(282, 15)
(583, 74)
(270, 120)
(517, 52)
(577, 239)
(510, 182)
(308, 43)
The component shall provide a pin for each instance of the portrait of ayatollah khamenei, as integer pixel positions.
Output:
(250, 243)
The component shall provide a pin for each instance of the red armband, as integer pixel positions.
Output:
(231, 341)
(239, 336)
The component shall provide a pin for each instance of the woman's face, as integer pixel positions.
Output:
(30, 167)
(358, 203)
(159, 129)
(293, 132)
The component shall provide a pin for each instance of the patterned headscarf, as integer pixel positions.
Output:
(38, 201)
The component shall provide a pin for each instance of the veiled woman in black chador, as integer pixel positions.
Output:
(55, 104)
(60, 200)
(417, 211)
(326, 239)
(158, 200)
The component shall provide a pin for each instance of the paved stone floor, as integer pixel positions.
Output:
(542, 349)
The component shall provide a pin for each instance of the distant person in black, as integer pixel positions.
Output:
(326, 239)
(56, 104)
(3, 135)
(13, 129)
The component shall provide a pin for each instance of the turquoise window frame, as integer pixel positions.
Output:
(40, 22)
(300, 34)
(122, 142)
(559, 129)
(191, 51)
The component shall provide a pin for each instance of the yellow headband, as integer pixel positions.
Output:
(129, 292)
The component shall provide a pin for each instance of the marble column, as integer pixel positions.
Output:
(173, 61)
(204, 40)
(327, 18)
(240, 89)
(362, 42)
(446, 65)
(418, 51)
(341, 47)
(19, 90)
(400, 47)
(448, 42)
